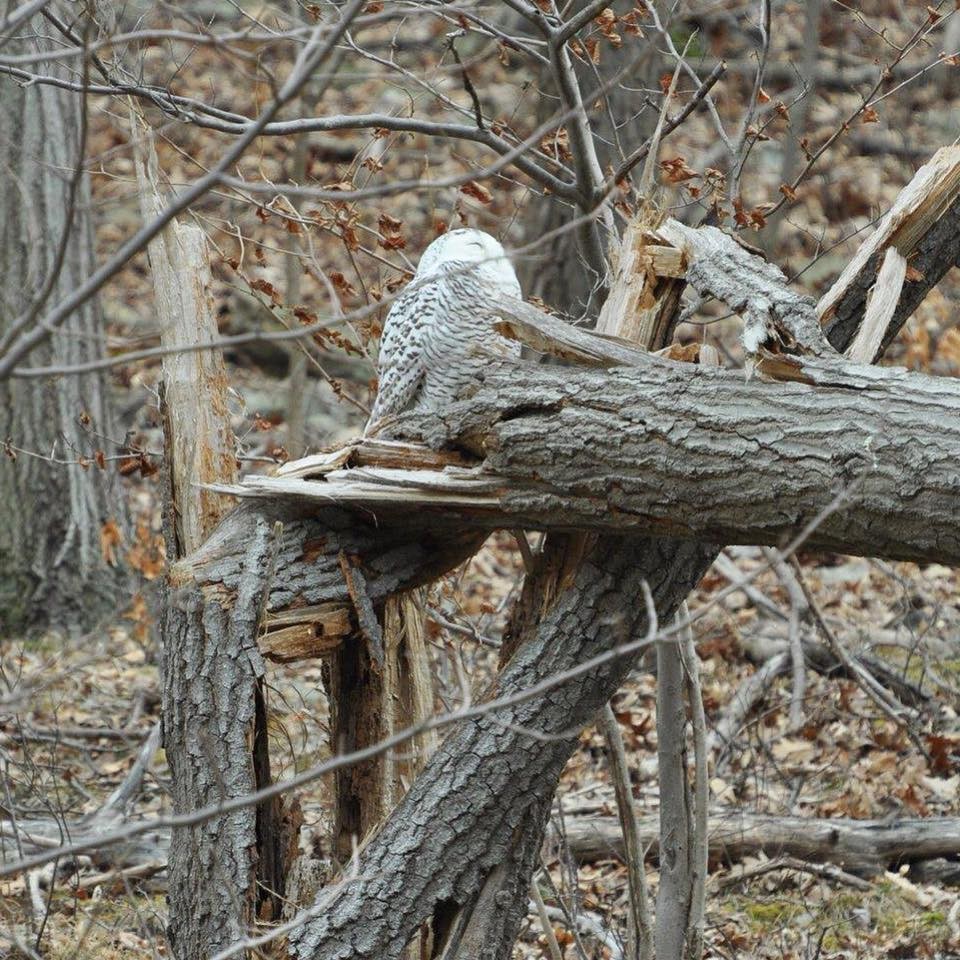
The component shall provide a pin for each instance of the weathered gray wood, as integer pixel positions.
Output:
(865, 847)
(676, 830)
(202, 447)
(687, 451)
(775, 317)
(924, 226)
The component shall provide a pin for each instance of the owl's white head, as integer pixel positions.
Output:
(471, 246)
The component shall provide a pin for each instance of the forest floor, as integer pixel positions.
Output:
(88, 702)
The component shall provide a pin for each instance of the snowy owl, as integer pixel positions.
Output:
(436, 322)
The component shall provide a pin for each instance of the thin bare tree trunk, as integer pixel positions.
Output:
(676, 824)
(556, 272)
(298, 400)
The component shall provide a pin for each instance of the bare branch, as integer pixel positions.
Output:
(309, 59)
(742, 151)
(670, 124)
(578, 20)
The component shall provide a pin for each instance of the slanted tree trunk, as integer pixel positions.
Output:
(54, 568)
(473, 819)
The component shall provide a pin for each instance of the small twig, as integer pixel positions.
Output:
(526, 554)
(138, 872)
(826, 871)
(744, 699)
(564, 910)
(668, 40)
(552, 944)
(130, 786)
(742, 149)
(468, 84)
(646, 177)
(888, 705)
(798, 605)
(701, 795)
(579, 20)
(728, 569)
(671, 124)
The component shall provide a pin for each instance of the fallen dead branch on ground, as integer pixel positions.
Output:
(862, 847)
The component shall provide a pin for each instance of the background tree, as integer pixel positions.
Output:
(63, 530)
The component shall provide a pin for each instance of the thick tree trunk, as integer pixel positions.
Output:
(209, 649)
(54, 570)
(255, 566)
(686, 451)
(482, 799)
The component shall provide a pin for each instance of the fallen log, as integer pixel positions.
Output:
(678, 450)
(862, 847)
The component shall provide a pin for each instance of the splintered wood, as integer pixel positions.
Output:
(304, 633)
(881, 305)
(197, 428)
(645, 291)
(920, 205)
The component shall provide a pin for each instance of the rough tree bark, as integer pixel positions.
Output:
(479, 806)
(685, 451)
(56, 572)
(228, 688)
(260, 564)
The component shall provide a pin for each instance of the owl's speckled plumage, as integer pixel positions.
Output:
(435, 324)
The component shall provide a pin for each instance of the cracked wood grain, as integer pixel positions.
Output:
(686, 451)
